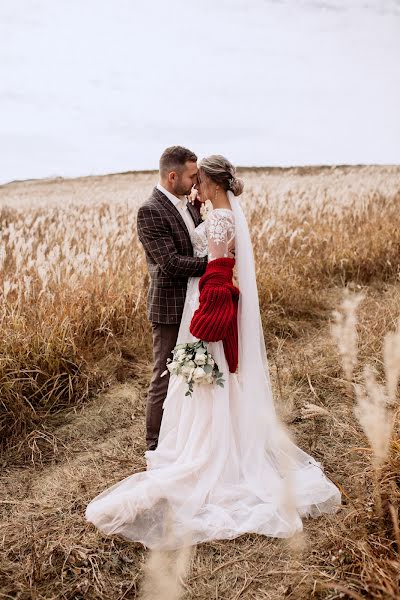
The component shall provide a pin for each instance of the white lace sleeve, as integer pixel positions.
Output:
(220, 231)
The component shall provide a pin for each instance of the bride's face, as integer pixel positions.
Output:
(205, 186)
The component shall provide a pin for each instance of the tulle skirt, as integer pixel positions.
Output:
(197, 486)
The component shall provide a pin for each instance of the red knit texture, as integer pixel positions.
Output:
(216, 317)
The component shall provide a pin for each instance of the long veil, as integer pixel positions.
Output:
(259, 416)
(263, 435)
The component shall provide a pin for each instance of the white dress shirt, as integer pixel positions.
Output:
(181, 205)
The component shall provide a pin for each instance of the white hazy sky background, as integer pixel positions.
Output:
(100, 86)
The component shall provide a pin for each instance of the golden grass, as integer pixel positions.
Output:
(72, 310)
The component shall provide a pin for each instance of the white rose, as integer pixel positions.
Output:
(210, 378)
(210, 361)
(186, 369)
(191, 363)
(200, 359)
(180, 354)
(198, 374)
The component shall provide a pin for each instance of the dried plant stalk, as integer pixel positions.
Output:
(344, 331)
(373, 415)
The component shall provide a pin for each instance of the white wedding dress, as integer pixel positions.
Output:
(223, 466)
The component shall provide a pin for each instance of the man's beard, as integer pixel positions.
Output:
(181, 191)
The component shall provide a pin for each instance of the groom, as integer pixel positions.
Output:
(164, 223)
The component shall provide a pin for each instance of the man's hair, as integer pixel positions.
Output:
(174, 158)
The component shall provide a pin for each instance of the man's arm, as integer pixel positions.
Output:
(159, 244)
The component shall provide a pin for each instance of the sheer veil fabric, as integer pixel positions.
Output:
(224, 464)
(264, 437)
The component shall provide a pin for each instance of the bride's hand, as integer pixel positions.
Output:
(194, 195)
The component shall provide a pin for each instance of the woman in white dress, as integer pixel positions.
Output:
(224, 464)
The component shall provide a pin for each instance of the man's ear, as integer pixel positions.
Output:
(171, 176)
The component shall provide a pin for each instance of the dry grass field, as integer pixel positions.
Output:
(75, 354)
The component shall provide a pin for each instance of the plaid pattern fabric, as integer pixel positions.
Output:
(169, 255)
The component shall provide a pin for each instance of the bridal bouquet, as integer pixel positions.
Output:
(195, 364)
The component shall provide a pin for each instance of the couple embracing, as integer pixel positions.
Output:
(219, 461)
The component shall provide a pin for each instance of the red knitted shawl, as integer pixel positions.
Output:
(216, 317)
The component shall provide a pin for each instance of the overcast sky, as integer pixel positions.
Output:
(100, 86)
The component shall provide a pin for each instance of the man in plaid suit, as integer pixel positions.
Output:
(164, 223)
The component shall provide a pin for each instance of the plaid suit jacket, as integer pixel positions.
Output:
(169, 254)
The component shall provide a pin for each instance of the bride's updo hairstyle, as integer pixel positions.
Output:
(221, 171)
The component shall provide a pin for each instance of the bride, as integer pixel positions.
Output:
(224, 464)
